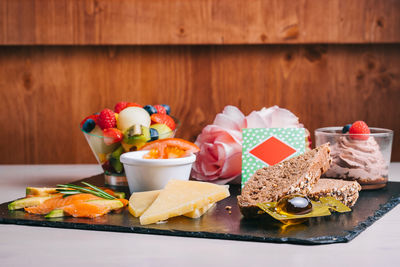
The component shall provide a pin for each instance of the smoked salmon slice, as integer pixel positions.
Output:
(59, 202)
(85, 209)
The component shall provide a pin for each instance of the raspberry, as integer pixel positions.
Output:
(106, 119)
(359, 131)
(120, 106)
(160, 109)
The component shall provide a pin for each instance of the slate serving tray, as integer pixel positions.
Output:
(219, 224)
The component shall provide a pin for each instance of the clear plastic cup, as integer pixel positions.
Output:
(113, 169)
(364, 158)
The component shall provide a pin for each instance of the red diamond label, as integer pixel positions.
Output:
(272, 151)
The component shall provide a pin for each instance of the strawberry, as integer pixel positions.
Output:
(120, 106)
(132, 104)
(112, 136)
(163, 119)
(106, 119)
(359, 131)
(160, 109)
(167, 108)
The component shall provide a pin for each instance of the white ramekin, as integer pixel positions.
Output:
(153, 174)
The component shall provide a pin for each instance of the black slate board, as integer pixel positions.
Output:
(218, 223)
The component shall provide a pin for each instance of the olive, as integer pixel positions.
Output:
(294, 204)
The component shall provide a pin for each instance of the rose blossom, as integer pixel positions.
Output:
(220, 143)
(220, 156)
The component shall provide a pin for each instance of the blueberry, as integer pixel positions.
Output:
(89, 125)
(167, 108)
(153, 134)
(346, 128)
(150, 109)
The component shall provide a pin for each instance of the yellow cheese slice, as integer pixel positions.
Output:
(139, 202)
(181, 197)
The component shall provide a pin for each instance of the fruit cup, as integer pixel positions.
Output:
(364, 158)
(108, 154)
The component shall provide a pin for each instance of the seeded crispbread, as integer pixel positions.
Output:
(296, 175)
(344, 191)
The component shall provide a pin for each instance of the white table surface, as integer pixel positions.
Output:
(379, 245)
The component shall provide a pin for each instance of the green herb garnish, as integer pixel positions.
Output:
(71, 189)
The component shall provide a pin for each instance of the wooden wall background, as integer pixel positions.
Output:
(330, 64)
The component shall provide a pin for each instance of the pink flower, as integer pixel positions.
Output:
(220, 156)
(220, 143)
(273, 117)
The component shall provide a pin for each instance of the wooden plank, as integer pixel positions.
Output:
(46, 91)
(51, 22)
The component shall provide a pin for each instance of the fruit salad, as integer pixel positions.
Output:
(128, 127)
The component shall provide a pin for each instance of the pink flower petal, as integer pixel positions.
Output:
(276, 117)
(230, 118)
(254, 120)
(232, 166)
(226, 122)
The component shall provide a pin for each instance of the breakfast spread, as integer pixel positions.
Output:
(357, 155)
(179, 198)
(282, 172)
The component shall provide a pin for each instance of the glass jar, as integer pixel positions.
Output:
(364, 158)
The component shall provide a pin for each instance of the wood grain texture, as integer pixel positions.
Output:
(46, 91)
(47, 22)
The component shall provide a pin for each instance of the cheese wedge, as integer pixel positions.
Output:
(141, 201)
(181, 197)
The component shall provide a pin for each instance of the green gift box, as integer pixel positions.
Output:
(267, 146)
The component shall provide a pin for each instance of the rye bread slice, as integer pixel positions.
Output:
(344, 191)
(296, 175)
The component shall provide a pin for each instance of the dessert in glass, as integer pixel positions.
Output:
(127, 128)
(359, 155)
